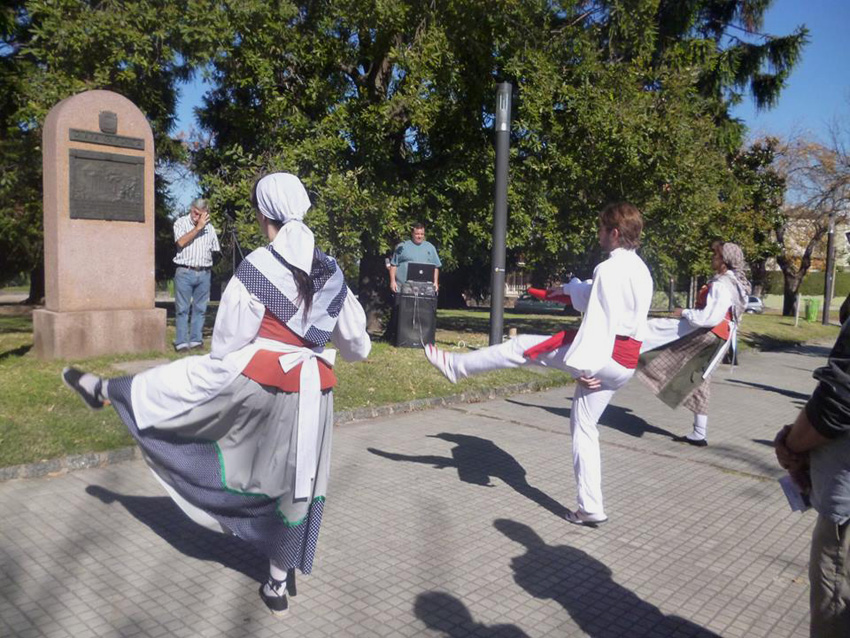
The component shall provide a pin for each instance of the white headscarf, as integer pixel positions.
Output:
(282, 197)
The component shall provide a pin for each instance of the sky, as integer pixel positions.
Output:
(816, 94)
(818, 90)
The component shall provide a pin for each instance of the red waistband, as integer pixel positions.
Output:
(722, 328)
(626, 350)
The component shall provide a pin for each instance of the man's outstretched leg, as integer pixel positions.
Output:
(509, 354)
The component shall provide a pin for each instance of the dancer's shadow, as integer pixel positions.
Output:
(584, 588)
(614, 417)
(445, 613)
(168, 521)
(479, 460)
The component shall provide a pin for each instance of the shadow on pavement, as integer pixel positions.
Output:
(169, 522)
(479, 460)
(583, 586)
(443, 612)
(615, 417)
(822, 352)
(762, 463)
(763, 442)
(792, 394)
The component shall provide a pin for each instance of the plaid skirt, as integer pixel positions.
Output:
(674, 371)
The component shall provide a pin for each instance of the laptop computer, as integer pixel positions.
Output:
(420, 272)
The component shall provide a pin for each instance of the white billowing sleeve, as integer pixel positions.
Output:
(592, 347)
(664, 330)
(237, 321)
(717, 304)
(349, 335)
(579, 292)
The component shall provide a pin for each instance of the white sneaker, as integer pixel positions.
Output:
(577, 517)
(441, 360)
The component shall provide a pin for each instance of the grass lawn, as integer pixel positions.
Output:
(41, 419)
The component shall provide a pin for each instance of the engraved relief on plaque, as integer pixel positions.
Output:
(107, 186)
(108, 122)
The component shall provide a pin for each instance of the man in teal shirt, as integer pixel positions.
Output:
(415, 250)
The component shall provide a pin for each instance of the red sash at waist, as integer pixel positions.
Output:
(264, 366)
(722, 328)
(626, 350)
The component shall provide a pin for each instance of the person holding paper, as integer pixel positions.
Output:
(815, 450)
(602, 354)
(241, 438)
(680, 353)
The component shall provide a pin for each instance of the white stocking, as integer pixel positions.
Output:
(700, 427)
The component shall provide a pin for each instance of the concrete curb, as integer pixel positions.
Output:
(74, 462)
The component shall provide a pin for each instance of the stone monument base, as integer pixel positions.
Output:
(91, 333)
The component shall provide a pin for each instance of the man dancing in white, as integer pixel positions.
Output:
(602, 354)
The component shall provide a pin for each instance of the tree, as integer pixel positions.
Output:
(385, 108)
(52, 49)
(754, 209)
(818, 178)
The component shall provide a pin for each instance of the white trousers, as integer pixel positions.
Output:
(587, 408)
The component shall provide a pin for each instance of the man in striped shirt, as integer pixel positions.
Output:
(196, 241)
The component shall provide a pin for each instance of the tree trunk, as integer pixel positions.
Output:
(791, 284)
(36, 296)
(373, 285)
(758, 269)
(844, 311)
(452, 289)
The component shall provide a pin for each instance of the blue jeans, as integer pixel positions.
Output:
(191, 287)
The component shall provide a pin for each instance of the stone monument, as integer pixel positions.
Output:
(98, 159)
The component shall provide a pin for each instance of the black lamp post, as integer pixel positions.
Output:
(500, 212)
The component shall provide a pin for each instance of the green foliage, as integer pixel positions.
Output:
(813, 284)
(753, 206)
(385, 109)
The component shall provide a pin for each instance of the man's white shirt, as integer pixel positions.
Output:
(198, 252)
(615, 302)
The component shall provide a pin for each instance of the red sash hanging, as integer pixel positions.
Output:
(552, 343)
(626, 350)
(539, 293)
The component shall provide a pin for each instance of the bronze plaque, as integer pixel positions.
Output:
(107, 139)
(107, 186)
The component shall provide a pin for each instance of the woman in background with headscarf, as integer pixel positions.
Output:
(679, 354)
(240, 438)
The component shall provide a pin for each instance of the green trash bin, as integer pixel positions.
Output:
(812, 307)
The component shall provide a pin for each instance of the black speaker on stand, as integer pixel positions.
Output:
(416, 315)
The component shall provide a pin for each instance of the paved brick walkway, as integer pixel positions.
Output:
(447, 523)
